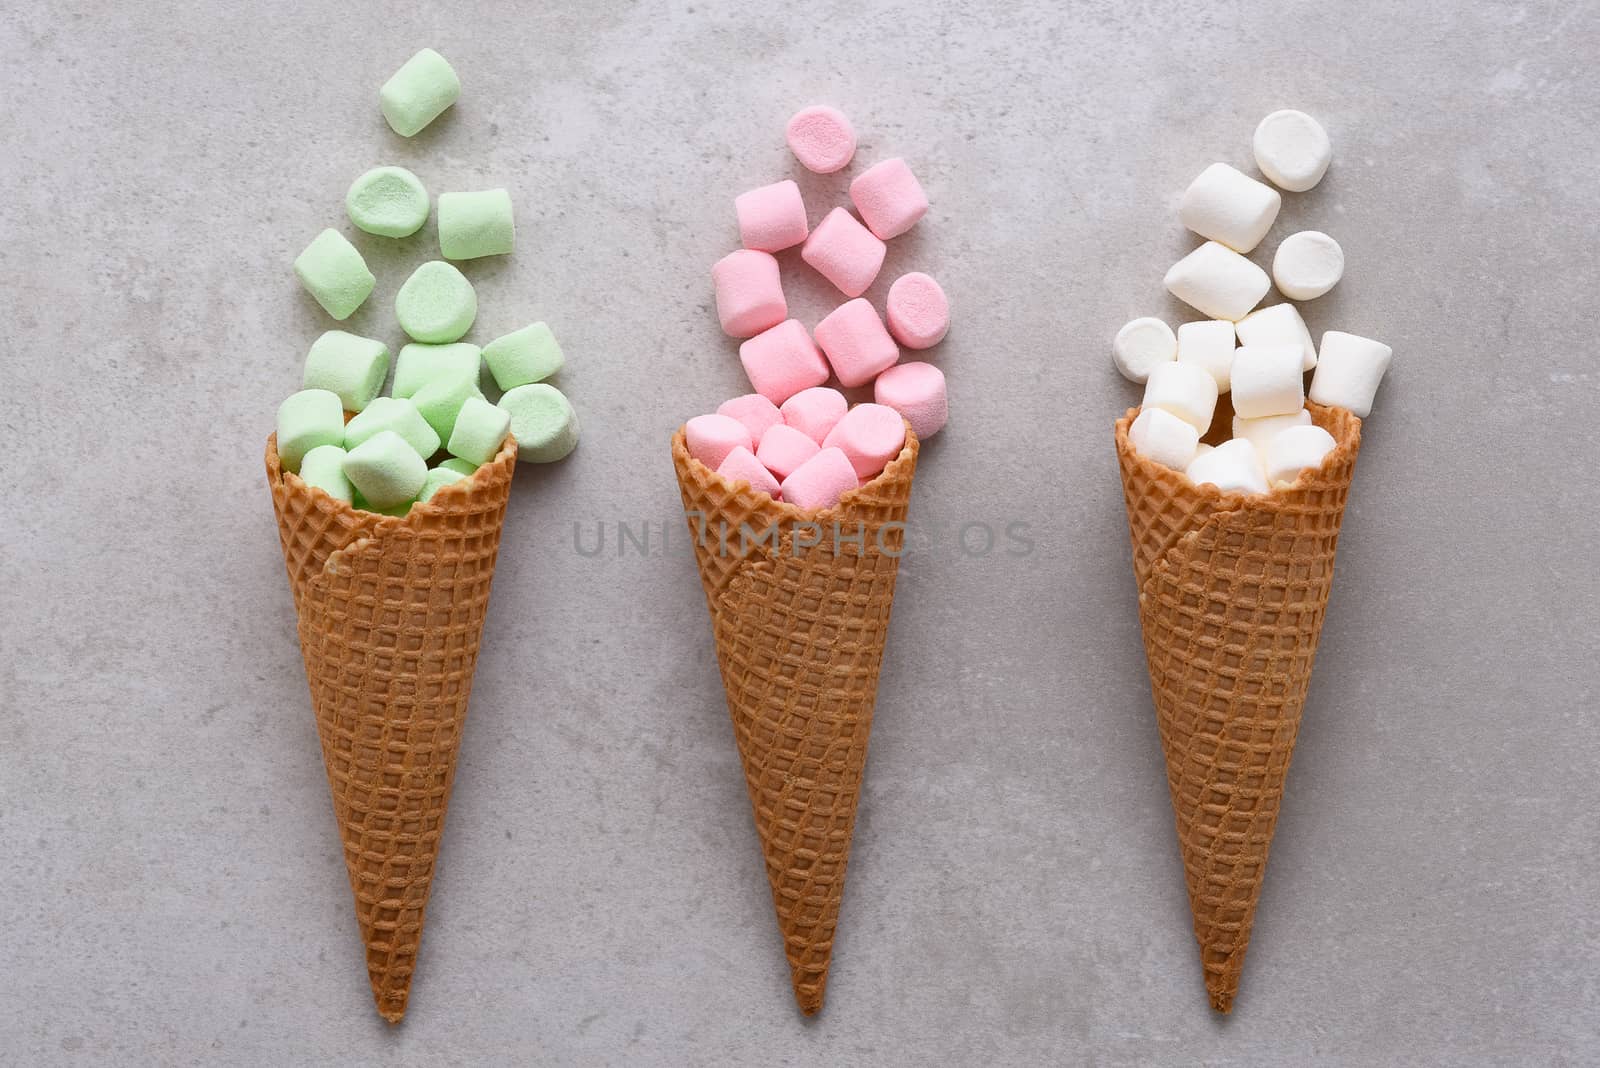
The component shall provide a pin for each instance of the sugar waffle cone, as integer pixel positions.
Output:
(1232, 592)
(800, 634)
(390, 615)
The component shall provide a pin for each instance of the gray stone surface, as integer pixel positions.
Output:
(172, 890)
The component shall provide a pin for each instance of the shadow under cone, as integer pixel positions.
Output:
(1232, 593)
(390, 616)
(800, 623)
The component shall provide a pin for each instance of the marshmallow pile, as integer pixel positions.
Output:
(796, 438)
(384, 454)
(809, 451)
(1259, 356)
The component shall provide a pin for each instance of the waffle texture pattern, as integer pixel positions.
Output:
(800, 631)
(390, 616)
(1232, 593)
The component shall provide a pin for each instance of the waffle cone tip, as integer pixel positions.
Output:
(1222, 1000)
(809, 990)
(391, 982)
(1223, 965)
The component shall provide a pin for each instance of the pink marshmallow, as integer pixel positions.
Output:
(822, 139)
(754, 411)
(916, 391)
(844, 252)
(741, 465)
(782, 361)
(783, 449)
(749, 292)
(918, 311)
(711, 438)
(814, 411)
(856, 344)
(870, 435)
(889, 198)
(820, 481)
(772, 217)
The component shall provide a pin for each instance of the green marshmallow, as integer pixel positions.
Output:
(523, 356)
(350, 366)
(361, 503)
(455, 463)
(306, 420)
(386, 469)
(323, 467)
(543, 422)
(396, 415)
(439, 478)
(476, 224)
(333, 271)
(440, 401)
(436, 305)
(479, 430)
(418, 92)
(387, 201)
(418, 365)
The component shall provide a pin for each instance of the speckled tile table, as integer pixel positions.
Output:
(172, 890)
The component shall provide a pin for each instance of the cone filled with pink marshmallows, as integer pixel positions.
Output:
(800, 616)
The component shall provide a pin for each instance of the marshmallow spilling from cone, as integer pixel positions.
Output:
(384, 454)
(797, 438)
(1259, 356)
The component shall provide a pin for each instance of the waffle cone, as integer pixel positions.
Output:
(800, 631)
(1232, 593)
(390, 615)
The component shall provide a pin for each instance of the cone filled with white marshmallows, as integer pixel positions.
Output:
(1234, 543)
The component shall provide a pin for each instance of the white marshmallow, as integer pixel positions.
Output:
(1231, 466)
(1292, 150)
(1161, 436)
(1300, 448)
(1307, 265)
(1218, 281)
(1202, 448)
(1208, 344)
(1277, 325)
(1227, 205)
(1187, 391)
(1349, 371)
(1267, 381)
(1263, 430)
(1142, 344)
